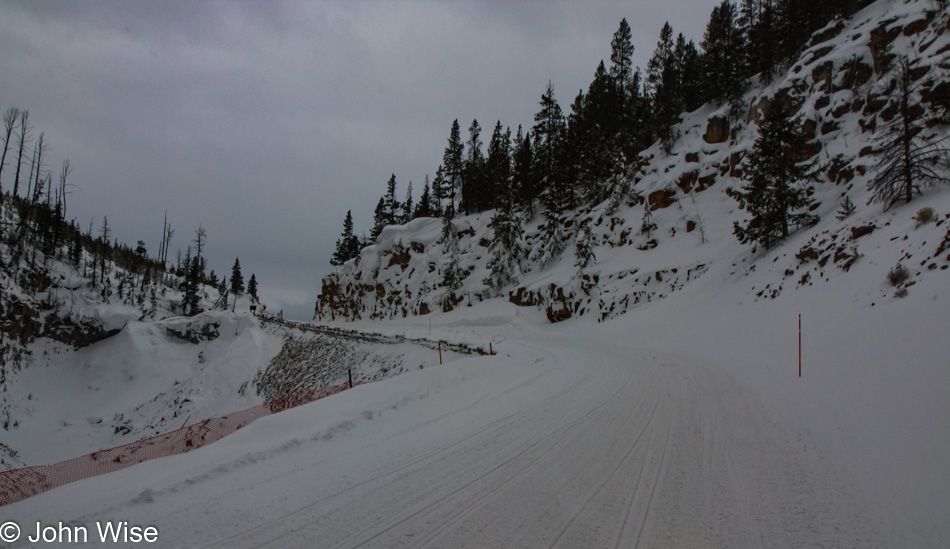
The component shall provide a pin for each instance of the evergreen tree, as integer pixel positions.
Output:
(906, 158)
(191, 301)
(252, 287)
(505, 251)
(379, 220)
(75, 252)
(347, 247)
(663, 81)
(595, 138)
(548, 132)
(584, 248)
(440, 191)
(222, 294)
(424, 208)
(453, 168)
(724, 66)
(407, 206)
(773, 196)
(688, 72)
(846, 210)
(552, 239)
(237, 279)
(392, 207)
(474, 170)
(763, 40)
(571, 155)
(523, 174)
(452, 273)
(497, 178)
(646, 224)
(621, 61)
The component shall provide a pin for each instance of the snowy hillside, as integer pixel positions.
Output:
(841, 89)
(96, 354)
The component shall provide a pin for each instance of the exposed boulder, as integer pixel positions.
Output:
(662, 199)
(827, 34)
(717, 130)
(881, 38)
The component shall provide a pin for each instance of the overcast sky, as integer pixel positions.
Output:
(266, 121)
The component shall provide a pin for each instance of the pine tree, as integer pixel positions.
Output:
(474, 170)
(764, 42)
(252, 287)
(191, 299)
(222, 294)
(379, 220)
(584, 245)
(452, 273)
(621, 61)
(424, 208)
(846, 210)
(344, 246)
(497, 178)
(392, 207)
(237, 279)
(75, 252)
(548, 132)
(604, 127)
(552, 240)
(505, 251)
(666, 95)
(688, 72)
(906, 159)
(773, 196)
(440, 191)
(453, 168)
(407, 207)
(522, 173)
(724, 71)
(646, 224)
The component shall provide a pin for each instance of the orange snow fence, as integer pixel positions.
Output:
(19, 484)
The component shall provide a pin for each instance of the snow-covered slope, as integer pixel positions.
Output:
(157, 376)
(840, 88)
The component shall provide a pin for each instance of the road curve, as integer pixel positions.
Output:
(563, 443)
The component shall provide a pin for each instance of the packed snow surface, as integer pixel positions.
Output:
(687, 427)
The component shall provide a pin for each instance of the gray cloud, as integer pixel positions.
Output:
(266, 121)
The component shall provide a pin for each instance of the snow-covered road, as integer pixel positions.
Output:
(557, 442)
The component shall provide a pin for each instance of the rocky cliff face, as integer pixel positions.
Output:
(675, 223)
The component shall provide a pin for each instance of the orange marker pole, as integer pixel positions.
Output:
(440, 353)
(799, 345)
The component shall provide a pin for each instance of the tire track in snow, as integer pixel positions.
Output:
(494, 493)
(504, 424)
(558, 438)
(656, 481)
(606, 480)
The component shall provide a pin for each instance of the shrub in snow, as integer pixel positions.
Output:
(846, 210)
(924, 216)
(584, 249)
(898, 275)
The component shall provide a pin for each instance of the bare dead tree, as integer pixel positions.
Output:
(907, 160)
(169, 232)
(106, 234)
(41, 148)
(22, 139)
(9, 121)
(63, 174)
(200, 236)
